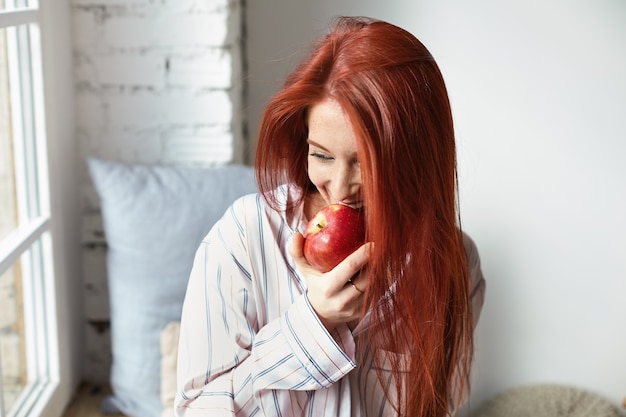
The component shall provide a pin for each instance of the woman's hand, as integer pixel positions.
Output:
(337, 295)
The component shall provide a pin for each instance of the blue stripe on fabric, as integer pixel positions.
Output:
(233, 257)
(267, 340)
(221, 295)
(217, 394)
(262, 244)
(301, 384)
(311, 403)
(246, 301)
(276, 404)
(295, 275)
(238, 223)
(241, 267)
(243, 385)
(208, 314)
(306, 352)
(337, 347)
(339, 389)
(273, 367)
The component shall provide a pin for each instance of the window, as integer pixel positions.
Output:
(29, 345)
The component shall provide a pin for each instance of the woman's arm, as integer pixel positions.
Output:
(229, 362)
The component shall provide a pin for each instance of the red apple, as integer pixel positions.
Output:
(332, 234)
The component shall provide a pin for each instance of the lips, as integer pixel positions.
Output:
(354, 203)
(356, 206)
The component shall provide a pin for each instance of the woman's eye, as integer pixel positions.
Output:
(320, 156)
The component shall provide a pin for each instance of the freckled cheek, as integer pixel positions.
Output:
(318, 175)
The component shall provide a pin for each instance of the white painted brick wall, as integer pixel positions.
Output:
(169, 30)
(143, 67)
(187, 70)
(157, 82)
(166, 109)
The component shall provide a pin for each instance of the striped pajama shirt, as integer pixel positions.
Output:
(252, 345)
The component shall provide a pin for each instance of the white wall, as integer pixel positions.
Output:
(539, 97)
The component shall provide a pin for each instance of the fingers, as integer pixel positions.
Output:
(353, 267)
(295, 249)
(296, 246)
(354, 262)
(336, 295)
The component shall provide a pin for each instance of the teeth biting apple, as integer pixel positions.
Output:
(332, 234)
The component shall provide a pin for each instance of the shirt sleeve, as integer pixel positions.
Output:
(229, 362)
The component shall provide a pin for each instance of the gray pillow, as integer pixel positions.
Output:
(154, 219)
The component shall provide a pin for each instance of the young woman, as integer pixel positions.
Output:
(364, 121)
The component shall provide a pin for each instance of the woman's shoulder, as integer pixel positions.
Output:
(255, 202)
(256, 206)
(473, 264)
(471, 250)
(244, 201)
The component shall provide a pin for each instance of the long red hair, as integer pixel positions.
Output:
(392, 90)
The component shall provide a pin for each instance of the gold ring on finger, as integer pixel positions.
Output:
(354, 286)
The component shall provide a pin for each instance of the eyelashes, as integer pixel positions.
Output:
(321, 156)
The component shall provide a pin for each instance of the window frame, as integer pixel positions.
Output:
(55, 229)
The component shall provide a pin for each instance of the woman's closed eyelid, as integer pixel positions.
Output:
(320, 155)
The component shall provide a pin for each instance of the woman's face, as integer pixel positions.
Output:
(333, 165)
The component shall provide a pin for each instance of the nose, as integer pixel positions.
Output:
(346, 185)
